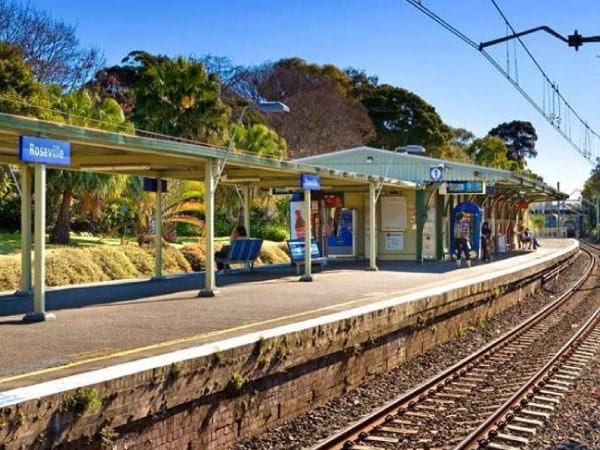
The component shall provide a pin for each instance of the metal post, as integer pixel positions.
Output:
(421, 212)
(26, 241)
(158, 231)
(307, 237)
(372, 227)
(246, 206)
(209, 229)
(39, 313)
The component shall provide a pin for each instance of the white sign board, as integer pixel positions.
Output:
(394, 241)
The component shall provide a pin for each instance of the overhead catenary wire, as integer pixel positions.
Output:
(554, 95)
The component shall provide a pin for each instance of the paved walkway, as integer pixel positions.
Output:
(101, 325)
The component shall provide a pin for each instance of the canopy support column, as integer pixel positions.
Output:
(307, 237)
(372, 227)
(209, 229)
(26, 238)
(421, 212)
(158, 230)
(39, 313)
(246, 206)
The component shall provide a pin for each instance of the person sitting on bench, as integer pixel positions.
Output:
(238, 232)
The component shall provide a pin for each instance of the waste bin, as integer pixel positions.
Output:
(500, 243)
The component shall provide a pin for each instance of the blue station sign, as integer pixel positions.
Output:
(310, 182)
(44, 151)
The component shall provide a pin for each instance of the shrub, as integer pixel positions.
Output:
(271, 232)
(273, 253)
(72, 266)
(141, 258)
(174, 261)
(194, 254)
(10, 273)
(114, 263)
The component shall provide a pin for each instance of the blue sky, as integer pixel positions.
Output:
(387, 38)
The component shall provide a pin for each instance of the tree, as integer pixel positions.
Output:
(520, 138)
(401, 117)
(324, 114)
(591, 187)
(20, 93)
(490, 151)
(49, 46)
(177, 97)
(82, 108)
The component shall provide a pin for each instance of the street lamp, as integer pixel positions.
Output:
(268, 106)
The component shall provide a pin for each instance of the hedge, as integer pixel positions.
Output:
(67, 266)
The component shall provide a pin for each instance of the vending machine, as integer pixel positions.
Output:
(473, 214)
(342, 238)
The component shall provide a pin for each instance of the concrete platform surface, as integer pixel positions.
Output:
(102, 325)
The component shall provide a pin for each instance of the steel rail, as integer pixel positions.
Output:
(360, 429)
(503, 415)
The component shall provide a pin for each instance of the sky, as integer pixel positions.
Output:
(390, 39)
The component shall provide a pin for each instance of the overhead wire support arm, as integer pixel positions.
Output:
(574, 40)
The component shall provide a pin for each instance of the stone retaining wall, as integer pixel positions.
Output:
(215, 401)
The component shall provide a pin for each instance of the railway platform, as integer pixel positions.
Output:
(109, 323)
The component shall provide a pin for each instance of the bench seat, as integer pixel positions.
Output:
(296, 248)
(242, 251)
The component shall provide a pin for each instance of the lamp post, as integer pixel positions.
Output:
(213, 172)
(267, 106)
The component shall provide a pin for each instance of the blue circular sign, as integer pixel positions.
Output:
(436, 173)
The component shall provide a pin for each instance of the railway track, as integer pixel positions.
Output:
(483, 400)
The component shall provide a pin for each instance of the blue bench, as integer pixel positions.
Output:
(296, 248)
(242, 251)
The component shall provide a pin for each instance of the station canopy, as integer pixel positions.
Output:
(170, 158)
(427, 172)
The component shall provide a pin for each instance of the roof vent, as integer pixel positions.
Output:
(414, 149)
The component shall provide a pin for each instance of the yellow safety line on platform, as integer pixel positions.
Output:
(176, 341)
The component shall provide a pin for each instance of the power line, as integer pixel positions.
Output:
(552, 105)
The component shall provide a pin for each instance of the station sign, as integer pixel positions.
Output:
(464, 187)
(44, 151)
(151, 185)
(310, 182)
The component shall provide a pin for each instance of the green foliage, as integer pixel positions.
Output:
(174, 261)
(113, 262)
(490, 151)
(72, 266)
(83, 400)
(10, 273)
(402, 117)
(140, 258)
(271, 232)
(236, 382)
(176, 97)
(520, 137)
(194, 254)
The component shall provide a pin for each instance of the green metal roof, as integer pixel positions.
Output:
(416, 169)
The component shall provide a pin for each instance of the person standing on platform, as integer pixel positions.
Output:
(462, 239)
(486, 236)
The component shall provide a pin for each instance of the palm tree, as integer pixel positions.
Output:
(83, 108)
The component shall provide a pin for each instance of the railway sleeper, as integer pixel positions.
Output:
(539, 414)
(498, 446)
(564, 385)
(386, 439)
(534, 422)
(520, 429)
(541, 406)
(556, 394)
(511, 438)
(397, 430)
(546, 399)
